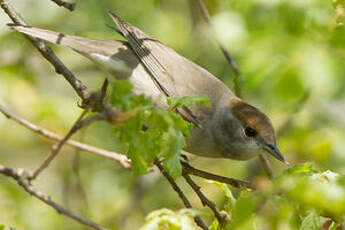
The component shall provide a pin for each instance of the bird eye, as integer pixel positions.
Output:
(250, 132)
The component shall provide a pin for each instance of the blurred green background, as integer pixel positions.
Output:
(286, 49)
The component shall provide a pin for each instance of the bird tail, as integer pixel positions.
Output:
(112, 55)
(79, 44)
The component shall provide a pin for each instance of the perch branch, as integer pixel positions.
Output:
(22, 179)
(48, 54)
(188, 169)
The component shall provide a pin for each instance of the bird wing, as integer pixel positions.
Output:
(151, 54)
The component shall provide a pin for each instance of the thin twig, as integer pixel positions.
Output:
(180, 193)
(122, 159)
(267, 165)
(48, 54)
(221, 216)
(297, 107)
(56, 148)
(23, 180)
(226, 53)
(233, 182)
(67, 5)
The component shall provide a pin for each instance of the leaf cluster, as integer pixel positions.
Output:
(152, 132)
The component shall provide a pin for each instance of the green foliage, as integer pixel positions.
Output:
(152, 132)
(297, 199)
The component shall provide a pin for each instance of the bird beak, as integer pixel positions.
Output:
(274, 151)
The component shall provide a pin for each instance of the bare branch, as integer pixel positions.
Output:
(22, 179)
(267, 165)
(222, 217)
(122, 159)
(48, 54)
(227, 55)
(67, 5)
(180, 193)
(188, 169)
(56, 148)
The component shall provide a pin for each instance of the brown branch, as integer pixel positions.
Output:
(56, 148)
(122, 159)
(188, 169)
(267, 165)
(22, 179)
(48, 54)
(180, 193)
(222, 217)
(67, 5)
(226, 53)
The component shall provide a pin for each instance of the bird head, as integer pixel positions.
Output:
(255, 129)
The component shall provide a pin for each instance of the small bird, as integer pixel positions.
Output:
(229, 128)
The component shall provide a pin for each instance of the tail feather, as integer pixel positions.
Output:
(82, 45)
(114, 56)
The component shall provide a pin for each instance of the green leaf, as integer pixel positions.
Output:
(120, 95)
(311, 222)
(300, 169)
(244, 208)
(177, 101)
(173, 166)
(214, 225)
(2, 227)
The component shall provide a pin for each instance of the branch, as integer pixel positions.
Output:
(48, 54)
(267, 165)
(180, 193)
(122, 159)
(67, 5)
(22, 179)
(227, 55)
(56, 148)
(188, 169)
(222, 217)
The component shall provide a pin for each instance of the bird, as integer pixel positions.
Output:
(229, 128)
